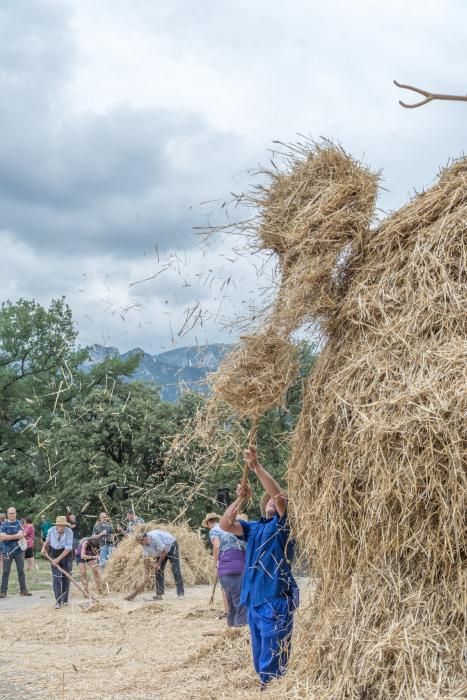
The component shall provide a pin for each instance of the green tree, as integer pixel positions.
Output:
(110, 450)
(40, 378)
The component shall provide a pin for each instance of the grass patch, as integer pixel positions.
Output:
(39, 579)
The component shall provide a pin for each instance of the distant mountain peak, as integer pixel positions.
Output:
(174, 371)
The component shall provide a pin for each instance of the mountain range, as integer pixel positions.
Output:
(174, 371)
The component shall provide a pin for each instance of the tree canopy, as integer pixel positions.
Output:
(96, 440)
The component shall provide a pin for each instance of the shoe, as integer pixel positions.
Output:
(25, 593)
(2, 595)
(158, 597)
(180, 595)
(57, 606)
(64, 605)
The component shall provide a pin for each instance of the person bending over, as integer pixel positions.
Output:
(162, 546)
(268, 589)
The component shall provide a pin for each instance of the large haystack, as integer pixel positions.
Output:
(378, 473)
(125, 569)
(378, 481)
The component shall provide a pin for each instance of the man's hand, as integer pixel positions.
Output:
(54, 562)
(251, 458)
(244, 492)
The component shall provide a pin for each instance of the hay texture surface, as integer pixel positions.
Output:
(256, 375)
(316, 215)
(378, 472)
(125, 569)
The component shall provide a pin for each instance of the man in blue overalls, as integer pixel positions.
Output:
(268, 588)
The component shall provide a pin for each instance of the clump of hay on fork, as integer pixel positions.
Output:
(125, 570)
(315, 214)
(378, 483)
(256, 375)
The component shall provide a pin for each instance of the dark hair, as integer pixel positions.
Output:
(28, 519)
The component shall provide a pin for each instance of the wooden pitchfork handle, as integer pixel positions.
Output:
(211, 599)
(251, 441)
(71, 579)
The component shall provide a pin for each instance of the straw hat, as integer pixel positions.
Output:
(61, 520)
(210, 516)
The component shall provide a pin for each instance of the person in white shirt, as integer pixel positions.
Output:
(162, 546)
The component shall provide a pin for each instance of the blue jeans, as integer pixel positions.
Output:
(231, 585)
(60, 583)
(173, 556)
(104, 553)
(271, 630)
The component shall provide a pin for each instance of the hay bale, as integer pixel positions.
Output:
(378, 480)
(125, 569)
(315, 215)
(256, 375)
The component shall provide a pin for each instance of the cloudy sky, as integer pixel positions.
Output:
(126, 123)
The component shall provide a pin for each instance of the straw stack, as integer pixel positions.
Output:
(378, 473)
(125, 569)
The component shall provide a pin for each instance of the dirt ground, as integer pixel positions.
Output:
(142, 649)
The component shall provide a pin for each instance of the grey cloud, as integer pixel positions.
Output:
(118, 181)
(112, 181)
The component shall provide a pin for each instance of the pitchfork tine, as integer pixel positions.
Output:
(429, 96)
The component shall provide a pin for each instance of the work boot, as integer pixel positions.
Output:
(2, 595)
(25, 592)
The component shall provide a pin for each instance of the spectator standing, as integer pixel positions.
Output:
(30, 534)
(45, 526)
(104, 531)
(132, 522)
(2, 518)
(11, 533)
(59, 546)
(73, 524)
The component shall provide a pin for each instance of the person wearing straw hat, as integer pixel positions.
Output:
(230, 569)
(211, 522)
(268, 590)
(59, 546)
(11, 535)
